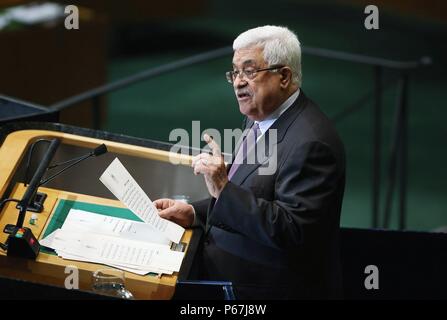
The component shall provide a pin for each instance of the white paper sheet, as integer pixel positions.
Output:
(48, 242)
(84, 221)
(118, 180)
(117, 251)
(139, 271)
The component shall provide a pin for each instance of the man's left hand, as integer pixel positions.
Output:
(213, 168)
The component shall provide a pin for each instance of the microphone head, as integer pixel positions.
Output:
(100, 150)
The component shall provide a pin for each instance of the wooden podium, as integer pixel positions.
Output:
(50, 269)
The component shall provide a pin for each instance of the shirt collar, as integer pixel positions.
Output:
(265, 124)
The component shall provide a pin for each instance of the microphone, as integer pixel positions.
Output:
(98, 151)
(21, 241)
(95, 152)
(34, 183)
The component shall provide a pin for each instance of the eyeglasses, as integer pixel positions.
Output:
(249, 73)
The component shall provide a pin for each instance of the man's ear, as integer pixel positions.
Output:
(286, 77)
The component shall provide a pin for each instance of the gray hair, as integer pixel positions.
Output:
(280, 46)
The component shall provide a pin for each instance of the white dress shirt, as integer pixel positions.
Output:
(265, 124)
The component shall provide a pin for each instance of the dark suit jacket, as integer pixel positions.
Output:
(277, 236)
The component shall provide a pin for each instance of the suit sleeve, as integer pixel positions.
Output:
(305, 188)
(200, 209)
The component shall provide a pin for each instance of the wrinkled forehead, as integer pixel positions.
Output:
(252, 56)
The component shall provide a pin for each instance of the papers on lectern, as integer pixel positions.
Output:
(138, 247)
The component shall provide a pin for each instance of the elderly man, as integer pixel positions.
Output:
(276, 235)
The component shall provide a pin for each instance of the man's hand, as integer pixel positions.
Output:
(212, 167)
(176, 211)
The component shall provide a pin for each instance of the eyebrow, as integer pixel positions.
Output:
(249, 61)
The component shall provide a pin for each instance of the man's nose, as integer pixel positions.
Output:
(239, 83)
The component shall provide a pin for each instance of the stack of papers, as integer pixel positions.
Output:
(138, 247)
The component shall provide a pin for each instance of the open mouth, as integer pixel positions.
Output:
(243, 95)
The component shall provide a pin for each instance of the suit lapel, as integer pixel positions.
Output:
(246, 169)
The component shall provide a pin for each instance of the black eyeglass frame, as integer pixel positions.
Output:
(231, 75)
